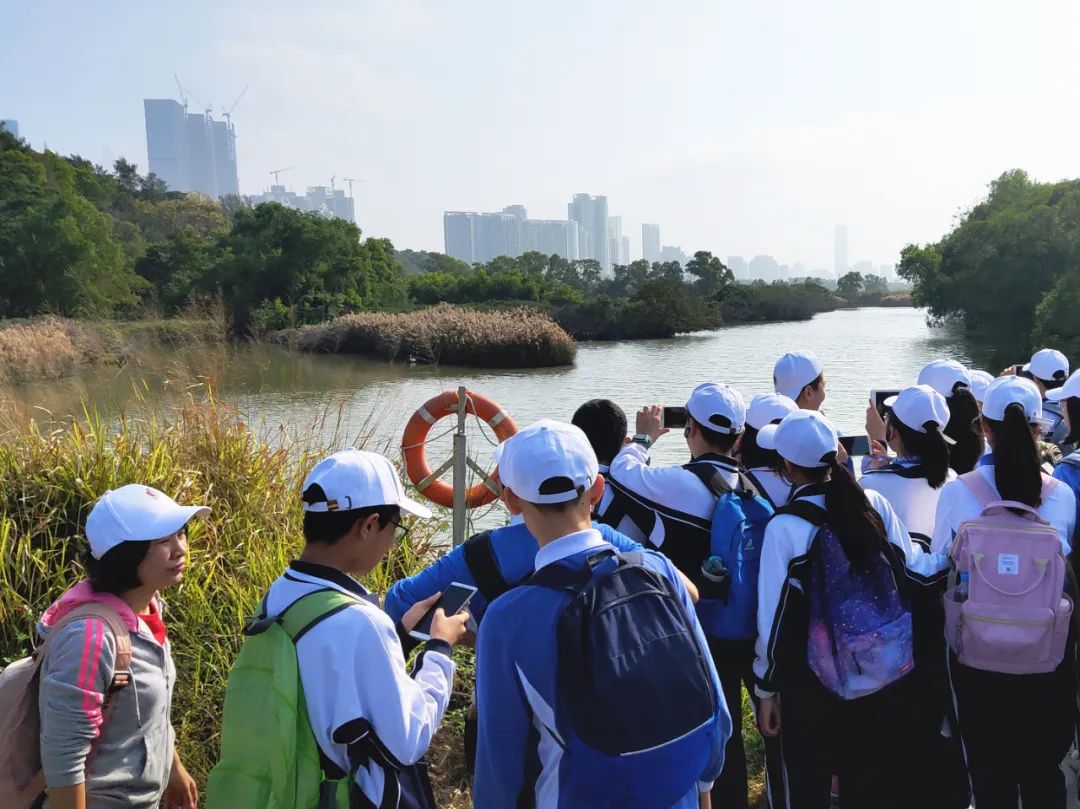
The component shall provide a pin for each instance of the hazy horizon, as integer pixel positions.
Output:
(737, 129)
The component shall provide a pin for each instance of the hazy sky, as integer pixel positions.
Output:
(739, 127)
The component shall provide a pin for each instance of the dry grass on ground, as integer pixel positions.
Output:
(518, 338)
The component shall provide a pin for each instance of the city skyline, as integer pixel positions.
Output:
(747, 156)
(190, 151)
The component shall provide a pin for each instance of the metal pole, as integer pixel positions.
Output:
(460, 457)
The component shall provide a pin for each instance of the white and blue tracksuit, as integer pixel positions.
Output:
(514, 549)
(519, 761)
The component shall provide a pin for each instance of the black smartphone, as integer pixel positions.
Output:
(878, 397)
(674, 417)
(453, 600)
(856, 445)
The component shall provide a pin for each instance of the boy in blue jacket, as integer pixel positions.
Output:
(550, 476)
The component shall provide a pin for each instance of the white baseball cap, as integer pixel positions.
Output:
(980, 381)
(1048, 364)
(1006, 390)
(794, 371)
(1070, 390)
(804, 437)
(135, 513)
(918, 406)
(944, 375)
(547, 462)
(768, 408)
(717, 407)
(355, 478)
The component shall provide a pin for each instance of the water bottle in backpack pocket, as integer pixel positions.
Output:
(860, 636)
(636, 713)
(729, 575)
(1015, 618)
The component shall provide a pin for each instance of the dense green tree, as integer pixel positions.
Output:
(876, 284)
(1057, 322)
(711, 273)
(850, 284)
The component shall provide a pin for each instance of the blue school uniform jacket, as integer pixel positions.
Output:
(515, 553)
(518, 761)
(1068, 472)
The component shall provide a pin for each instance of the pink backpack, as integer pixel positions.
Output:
(21, 778)
(1015, 617)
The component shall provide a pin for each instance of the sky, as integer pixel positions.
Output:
(739, 127)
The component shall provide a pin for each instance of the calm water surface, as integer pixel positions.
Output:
(347, 398)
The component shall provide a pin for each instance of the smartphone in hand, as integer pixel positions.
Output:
(674, 417)
(453, 600)
(855, 445)
(878, 397)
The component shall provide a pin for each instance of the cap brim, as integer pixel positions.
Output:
(413, 508)
(766, 436)
(176, 519)
(1058, 394)
(890, 401)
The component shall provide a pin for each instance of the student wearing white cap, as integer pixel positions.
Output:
(1016, 728)
(1067, 397)
(558, 722)
(1049, 369)
(831, 523)
(798, 375)
(763, 466)
(911, 482)
(952, 380)
(363, 704)
(980, 381)
(670, 509)
(138, 546)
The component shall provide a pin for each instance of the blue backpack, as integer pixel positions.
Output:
(859, 635)
(728, 609)
(636, 709)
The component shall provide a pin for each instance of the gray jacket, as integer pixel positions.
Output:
(131, 761)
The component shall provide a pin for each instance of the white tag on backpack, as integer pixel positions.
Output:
(1008, 564)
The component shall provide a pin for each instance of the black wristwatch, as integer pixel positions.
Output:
(644, 440)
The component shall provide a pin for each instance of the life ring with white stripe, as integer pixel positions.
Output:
(416, 432)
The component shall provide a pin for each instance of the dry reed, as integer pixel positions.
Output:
(54, 347)
(518, 338)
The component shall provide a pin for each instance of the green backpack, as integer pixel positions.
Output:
(269, 756)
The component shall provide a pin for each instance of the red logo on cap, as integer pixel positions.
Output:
(151, 493)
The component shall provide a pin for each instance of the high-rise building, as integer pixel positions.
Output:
(556, 237)
(671, 253)
(840, 246)
(864, 267)
(764, 268)
(497, 234)
(591, 214)
(459, 235)
(739, 268)
(615, 238)
(328, 202)
(190, 151)
(624, 250)
(650, 243)
(516, 210)
(10, 125)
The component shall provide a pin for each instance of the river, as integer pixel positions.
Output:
(343, 399)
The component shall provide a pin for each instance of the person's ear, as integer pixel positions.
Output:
(512, 501)
(596, 491)
(368, 526)
(738, 444)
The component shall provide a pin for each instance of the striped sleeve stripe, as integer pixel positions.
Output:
(93, 637)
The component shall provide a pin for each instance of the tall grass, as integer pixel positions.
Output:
(519, 338)
(202, 453)
(54, 347)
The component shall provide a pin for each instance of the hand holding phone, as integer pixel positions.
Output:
(674, 417)
(878, 397)
(445, 618)
(855, 445)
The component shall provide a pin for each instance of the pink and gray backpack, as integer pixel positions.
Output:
(1015, 616)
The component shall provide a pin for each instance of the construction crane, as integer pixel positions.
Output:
(350, 181)
(180, 88)
(332, 186)
(276, 172)
(227, 115)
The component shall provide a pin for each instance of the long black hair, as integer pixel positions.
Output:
(1017, 471)
(963, 429)
(855, 522)
(1072, 408)
(753, 456)
(928, 447)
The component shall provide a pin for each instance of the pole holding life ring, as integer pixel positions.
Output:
(426, 480)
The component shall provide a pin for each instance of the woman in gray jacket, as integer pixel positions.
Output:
(122, 755)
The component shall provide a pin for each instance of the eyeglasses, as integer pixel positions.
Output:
(401, 532)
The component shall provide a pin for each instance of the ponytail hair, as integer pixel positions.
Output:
(753, 456)
(963, 416)
(855, 522)
(1017, 471)
(928, 447)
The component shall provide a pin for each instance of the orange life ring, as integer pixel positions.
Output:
(416, 433)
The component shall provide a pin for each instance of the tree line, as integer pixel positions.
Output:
(1010, 269)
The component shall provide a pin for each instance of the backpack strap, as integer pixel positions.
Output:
(484, 568)
(716, 483)
(312, 609)
(987, 494)
(805, 510)
(121, 635)
(759, 487)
